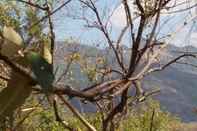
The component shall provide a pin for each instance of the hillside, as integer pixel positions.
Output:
(177, 82)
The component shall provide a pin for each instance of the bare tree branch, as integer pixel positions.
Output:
(53, 12)
(77, 114)
(32, 4)
(170, 62)
(103, 29)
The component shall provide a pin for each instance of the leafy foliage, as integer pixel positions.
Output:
(137, 120)
(25, 34)
(19, 87)
(140, 120)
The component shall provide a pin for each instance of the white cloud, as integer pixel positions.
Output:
(118, 19)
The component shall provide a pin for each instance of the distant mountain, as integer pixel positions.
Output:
(178, 82)
(178, 91)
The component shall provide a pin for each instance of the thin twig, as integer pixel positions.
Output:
(171, 62)
(53, 12)
(58, 118)
(77, 114)
(102, 28)
(4, 78)
(152, 120)
(32, 4)
(65, 71)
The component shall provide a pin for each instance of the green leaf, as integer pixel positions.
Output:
(12, 42)
(10, 34)
(47, 53)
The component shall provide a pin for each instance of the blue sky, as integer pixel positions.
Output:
(67, 27)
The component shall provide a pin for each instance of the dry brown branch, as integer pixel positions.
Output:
(117, 109)
(25, 117)
(32, 4)
(186, 63)
(170, 62)
(152, 34)
(65, 71)
(4, 78)
(77, 114)
(152, 120)
(121, 89)
(138, 3)
(51, 13)
(109, 89)
(135, 46)
(181, 10)
(102, 28)
(129, 19)
(58, 118)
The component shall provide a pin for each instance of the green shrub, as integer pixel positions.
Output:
(148, 116)
(138, 119)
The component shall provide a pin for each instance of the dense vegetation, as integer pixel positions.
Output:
(147, 117)
(36, 91)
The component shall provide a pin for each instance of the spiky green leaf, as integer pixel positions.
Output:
(12, 42)
(47, 53)
(10, 34)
